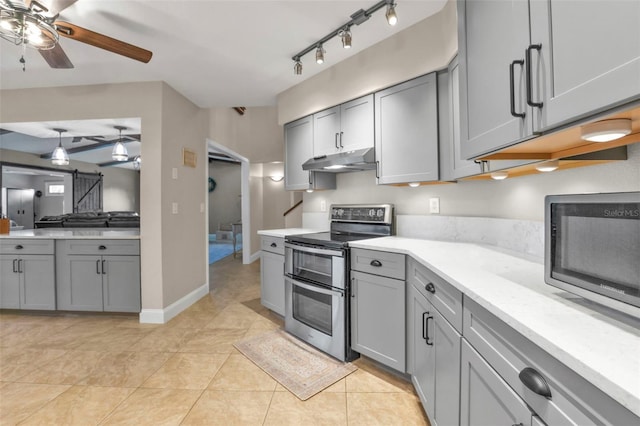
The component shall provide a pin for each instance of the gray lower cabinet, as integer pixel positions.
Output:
(298, 148)
(27, 274)
(89, 281)
(406, 136)
(272, 274)
(486, 399)
(374, 334)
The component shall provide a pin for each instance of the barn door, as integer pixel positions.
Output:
(87, 192)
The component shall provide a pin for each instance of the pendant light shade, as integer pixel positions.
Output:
(60, 157)
(120, 152)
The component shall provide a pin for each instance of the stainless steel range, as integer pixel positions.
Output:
(317, 281)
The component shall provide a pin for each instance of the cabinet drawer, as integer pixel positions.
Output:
(26, 246)
(444, 297)
(273, 244)
(378, 262)
(99, 247)
(573, 399)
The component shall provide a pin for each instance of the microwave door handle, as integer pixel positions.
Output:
(313, 250)
(316, 288)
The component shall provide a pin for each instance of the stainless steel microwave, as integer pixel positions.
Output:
(592, 247)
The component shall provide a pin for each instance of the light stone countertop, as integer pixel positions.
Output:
(76, 233)
(281, 233)
(602, 349)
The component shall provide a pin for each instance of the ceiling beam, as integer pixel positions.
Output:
(115, 163)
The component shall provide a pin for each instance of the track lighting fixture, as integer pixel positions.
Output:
(390, 14)
(345, 35)
(297, 67)
(320, 54)
(59, 157)
(119, 152)
(344, 32)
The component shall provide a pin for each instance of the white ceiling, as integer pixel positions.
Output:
(216, 53)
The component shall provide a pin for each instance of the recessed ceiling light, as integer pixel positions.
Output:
(607, 130)
(547, 166)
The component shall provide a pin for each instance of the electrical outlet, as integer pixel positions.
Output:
(174, 173)
(174, 208)
(434, 205)
(323, 206)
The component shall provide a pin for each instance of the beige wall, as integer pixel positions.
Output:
(169, 122)
(257, 206)
(426, 46)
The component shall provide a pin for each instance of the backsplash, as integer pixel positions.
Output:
(521, 236)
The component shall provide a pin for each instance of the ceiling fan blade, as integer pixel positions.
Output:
(102, 41)
(56, 58)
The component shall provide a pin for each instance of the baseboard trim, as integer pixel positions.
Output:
(255, 256)
(161, 316)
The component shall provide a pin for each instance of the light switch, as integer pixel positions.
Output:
(201, 207)
(434, 205)
(174, 173)
(174, 208)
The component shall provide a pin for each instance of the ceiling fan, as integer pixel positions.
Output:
(34, 23)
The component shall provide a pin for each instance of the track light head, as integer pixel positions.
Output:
(297, 67)
(345, 35)
(320, 54)
(391, 16)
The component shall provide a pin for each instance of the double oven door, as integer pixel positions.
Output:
(316, 308)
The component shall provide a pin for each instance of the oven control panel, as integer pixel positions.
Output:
(379, 213)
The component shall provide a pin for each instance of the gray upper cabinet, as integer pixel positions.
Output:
(407, 131)
(527, 67)
(589, 57)
(452, 164)
(298, 140)
(345, 127)
(492, 38)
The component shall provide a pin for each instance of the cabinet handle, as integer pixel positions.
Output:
(102, 247)
(15, 265)
(19, 247)
(98, 267)
(424, 326)
(341, 140)
(104, 272)
(430, 343)
(376, 263)
(530, 102)
(274, 245)
(20, 266)
(377, 170)
(512, 88)
(336, 142)
(430, 288)
(535, 382)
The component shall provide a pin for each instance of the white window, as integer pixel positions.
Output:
(54, 188)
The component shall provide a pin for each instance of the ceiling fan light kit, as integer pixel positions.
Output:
(344, 32)
(36, 26)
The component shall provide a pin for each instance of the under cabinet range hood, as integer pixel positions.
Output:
(348, 161)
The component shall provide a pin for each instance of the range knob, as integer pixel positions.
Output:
(380, 212)
(372, 212)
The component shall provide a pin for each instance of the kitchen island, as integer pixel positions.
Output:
(71, 269)
(597, 345)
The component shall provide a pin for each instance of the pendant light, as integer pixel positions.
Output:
(119, 152)
(59, 157)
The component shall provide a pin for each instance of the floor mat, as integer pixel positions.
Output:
(220, 249)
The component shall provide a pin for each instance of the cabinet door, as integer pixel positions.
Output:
(422, 352)
(121, 283)
(589, 58)
(298, 142)
(79, 283)
(38, 286)
(380, 337)
(446, 343)
(9, 282)
(406, 131)
(486, 399)
(272, 281)
(356, 124)
(491, 35)
(326, 132)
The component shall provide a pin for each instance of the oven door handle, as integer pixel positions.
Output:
(313, 250)
(315, 288)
